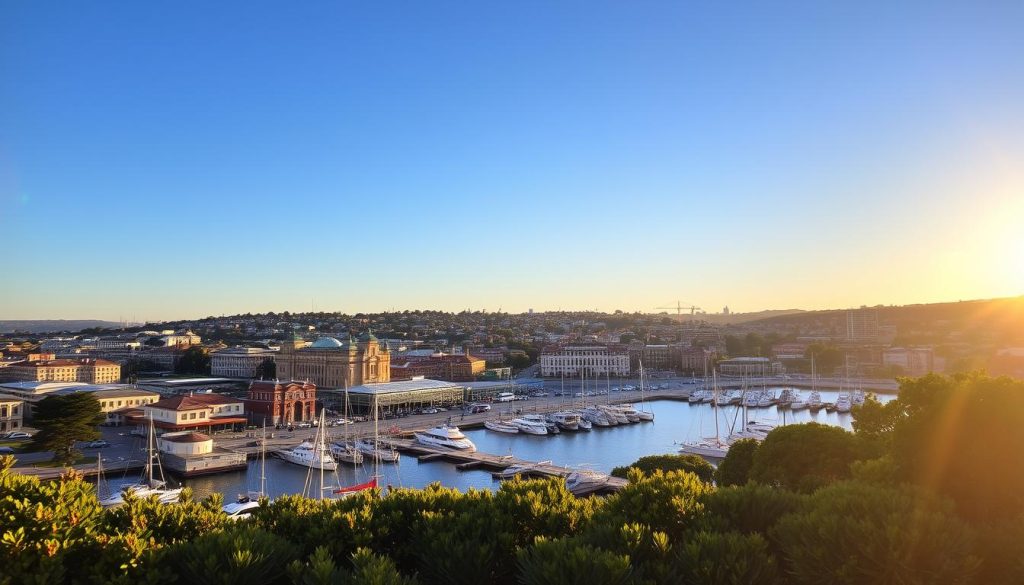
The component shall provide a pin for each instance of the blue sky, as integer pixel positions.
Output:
(171, 160)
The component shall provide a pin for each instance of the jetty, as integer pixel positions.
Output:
(496, 464)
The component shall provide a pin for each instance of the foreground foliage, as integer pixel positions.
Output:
(810, 505)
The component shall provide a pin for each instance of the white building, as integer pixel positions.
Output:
(592, 359)
(239, 362)
(862, 324)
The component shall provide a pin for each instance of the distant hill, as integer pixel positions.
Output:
(737, 318)
(53, 325)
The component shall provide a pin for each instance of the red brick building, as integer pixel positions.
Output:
(277, 402)
(440, 366)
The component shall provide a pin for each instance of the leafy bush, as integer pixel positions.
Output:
(692, 463)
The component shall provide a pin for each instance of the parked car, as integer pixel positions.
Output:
(6, 451)
(97, 444)
(430, 411)
(18, 436)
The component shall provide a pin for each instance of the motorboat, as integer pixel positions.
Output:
(584, 424)
(501, 427)
(626, 410)
(346, 452)
(566, 421)
(843, 403)
(243, 508)
(306, 455)
(765, 399)
(518, 470)
(760, 427)
(708, 448)
(585, 480)
(372, 449)
(445, 436)
(857, 398)
(530, 427)
(696, 397)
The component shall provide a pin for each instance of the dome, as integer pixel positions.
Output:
(326, 343)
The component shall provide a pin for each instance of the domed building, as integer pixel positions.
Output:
(329, 362)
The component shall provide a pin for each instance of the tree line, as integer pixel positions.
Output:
(927, 489)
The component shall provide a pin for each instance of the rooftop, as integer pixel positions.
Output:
(194, 402)
(403, 386)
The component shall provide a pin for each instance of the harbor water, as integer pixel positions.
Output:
(600, 449)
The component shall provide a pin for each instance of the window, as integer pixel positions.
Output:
(202, 414)
(192, 416)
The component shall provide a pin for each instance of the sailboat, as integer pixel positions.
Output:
(250, 501)
(712, 447)
(149, 484)
(344, 450)
(642, 412)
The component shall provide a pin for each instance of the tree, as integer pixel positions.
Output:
(649, 464)
(826, 357)
(62, 420)
(805, 457)
(194, 360)
(957, 434)
(855, 534)
(735, 468)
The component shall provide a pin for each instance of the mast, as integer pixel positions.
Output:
(714, 402)
(263, 460)
(320, 450)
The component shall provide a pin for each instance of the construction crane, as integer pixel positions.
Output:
(679, 309)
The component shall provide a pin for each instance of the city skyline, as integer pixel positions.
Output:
(170, 164)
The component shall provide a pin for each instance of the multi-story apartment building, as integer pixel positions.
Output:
(239, 362)
(749, 367)
(438, 366)
(862, 324)
(44, 368)
(592, 359)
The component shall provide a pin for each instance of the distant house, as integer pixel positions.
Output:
(202, 412)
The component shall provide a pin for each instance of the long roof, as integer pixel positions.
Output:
(403, 386)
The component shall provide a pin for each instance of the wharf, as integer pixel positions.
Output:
(496, 463)
(87, 471)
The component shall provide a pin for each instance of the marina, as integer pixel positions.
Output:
(600, 450)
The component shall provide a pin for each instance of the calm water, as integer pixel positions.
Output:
(600, 449)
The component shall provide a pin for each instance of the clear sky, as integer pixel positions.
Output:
(165, 160)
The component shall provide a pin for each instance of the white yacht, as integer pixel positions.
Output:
(567, 421)
(501, 427)
(307, 455)
(541, 419)
(584, 424)
(814, 400)
(798, 402)
(843, 403)
(346, 452)
(372, 449)
(696, 397)
(530, 427)
(519, 469)
(765, 399)
(445, 436)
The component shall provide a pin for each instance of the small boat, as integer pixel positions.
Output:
(372, 449)
(615, 414)
(696, 397)
(346, 452)
(584, 424)
(584, 480)
(765, 399)
(501, 427)
(306, 455)
(243, 507)
(519, 469)
(445, 436)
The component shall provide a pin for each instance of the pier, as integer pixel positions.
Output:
(464, 460)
